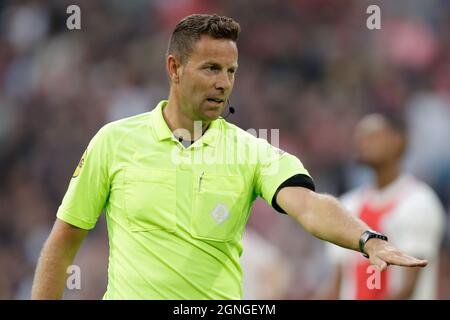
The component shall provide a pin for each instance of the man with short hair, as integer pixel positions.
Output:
(176, 204)
(399, 205)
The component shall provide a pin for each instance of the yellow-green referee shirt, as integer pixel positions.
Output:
(175, 215)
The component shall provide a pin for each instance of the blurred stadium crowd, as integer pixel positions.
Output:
(309, 68)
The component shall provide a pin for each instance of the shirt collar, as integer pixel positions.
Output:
(211, 135)
(160, 127)
(163, 132)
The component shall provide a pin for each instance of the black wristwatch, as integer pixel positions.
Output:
(369, 234)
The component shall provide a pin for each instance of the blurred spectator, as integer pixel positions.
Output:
(396, 204)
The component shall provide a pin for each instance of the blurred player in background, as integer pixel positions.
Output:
(267, 273)
(399, 205)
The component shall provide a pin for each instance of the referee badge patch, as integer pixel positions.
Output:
(220, 213)
(80, 165)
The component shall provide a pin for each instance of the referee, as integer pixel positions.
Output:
(178, 184)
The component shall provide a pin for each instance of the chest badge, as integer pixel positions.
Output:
(220, 213)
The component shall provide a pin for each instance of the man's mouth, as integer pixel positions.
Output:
(215, 100)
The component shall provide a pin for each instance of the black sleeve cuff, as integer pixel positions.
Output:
(299, 180)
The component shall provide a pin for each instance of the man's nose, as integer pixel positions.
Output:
(223, 81)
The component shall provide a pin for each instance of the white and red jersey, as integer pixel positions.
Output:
(411, 215)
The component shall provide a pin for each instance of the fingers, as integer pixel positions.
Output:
(389, 255)
(379, 263)
(397, 258)
(405, 261)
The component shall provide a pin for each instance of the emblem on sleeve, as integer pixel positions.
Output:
(80, 165)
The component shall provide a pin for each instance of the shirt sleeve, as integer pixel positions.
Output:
(89, 186)
(299, 180)
(420, 231)
(274, 167)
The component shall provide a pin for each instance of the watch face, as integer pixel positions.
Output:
(377, 235)
(366, 236)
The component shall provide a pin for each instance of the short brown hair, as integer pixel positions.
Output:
(191, 28)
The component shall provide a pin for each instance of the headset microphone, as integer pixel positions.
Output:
(231, 110)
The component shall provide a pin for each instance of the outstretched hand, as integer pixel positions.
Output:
(382, 253)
